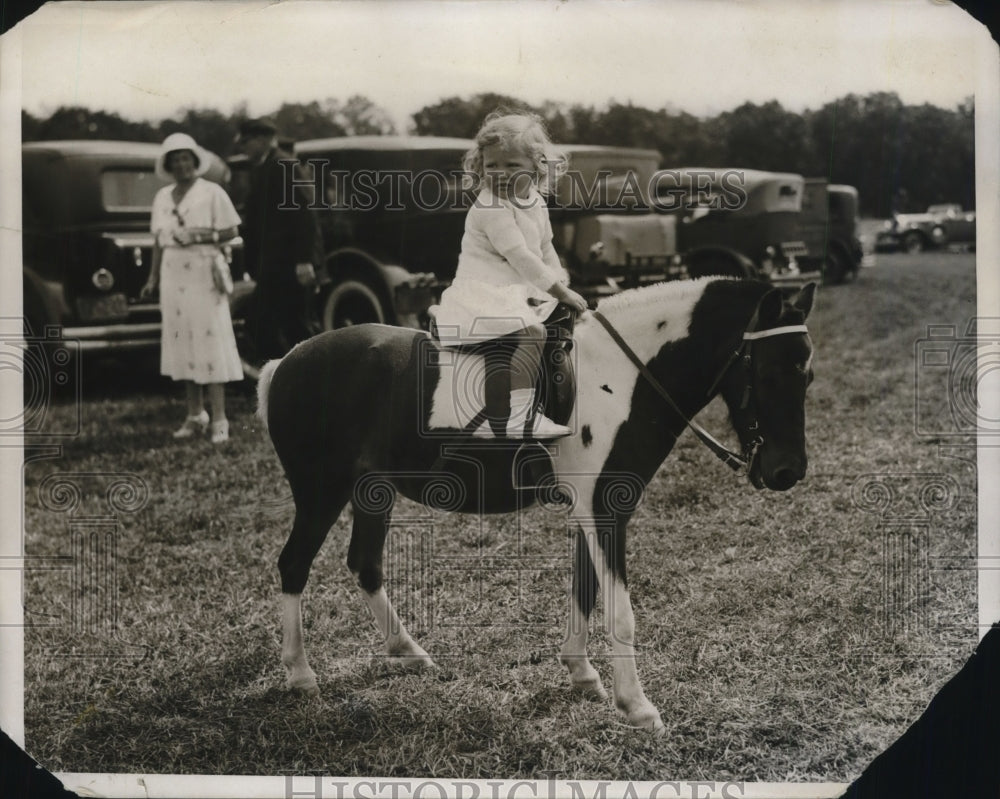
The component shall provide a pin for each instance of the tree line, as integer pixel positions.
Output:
(899, 157)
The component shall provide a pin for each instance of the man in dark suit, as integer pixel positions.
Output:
(282, 244)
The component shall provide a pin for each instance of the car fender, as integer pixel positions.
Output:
(44, 300)
(700, 255)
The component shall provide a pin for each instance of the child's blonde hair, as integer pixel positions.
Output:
(522, 131)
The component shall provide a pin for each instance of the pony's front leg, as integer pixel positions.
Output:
(619, 621)
(293, 652)
(573, 655)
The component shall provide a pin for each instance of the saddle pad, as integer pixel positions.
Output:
(461, 390)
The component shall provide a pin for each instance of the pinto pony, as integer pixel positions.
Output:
(350, 411)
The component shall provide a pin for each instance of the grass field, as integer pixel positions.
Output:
(784, 637)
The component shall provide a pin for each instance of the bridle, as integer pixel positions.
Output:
(743, 353)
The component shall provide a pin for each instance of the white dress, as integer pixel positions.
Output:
(506, 266)
(197, 341)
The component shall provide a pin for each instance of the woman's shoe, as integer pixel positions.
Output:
(193, 425)
(220, 431)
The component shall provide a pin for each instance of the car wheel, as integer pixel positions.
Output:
(913, 242)
(352, 302)
(835, 270)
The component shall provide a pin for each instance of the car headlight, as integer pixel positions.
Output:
(103, 279)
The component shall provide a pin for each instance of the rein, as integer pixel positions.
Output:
(733, 460)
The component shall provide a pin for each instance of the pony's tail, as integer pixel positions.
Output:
(263, 387)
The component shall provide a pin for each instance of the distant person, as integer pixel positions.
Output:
(509, 278)
(190, 219)
(282, 244)
(901, 202)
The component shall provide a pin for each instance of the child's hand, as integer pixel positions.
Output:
(570, 297)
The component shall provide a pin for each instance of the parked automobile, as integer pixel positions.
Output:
(943, 225)
(87, 249)
(740, 222)
(603, 226)
(829, 227)
(392, 212)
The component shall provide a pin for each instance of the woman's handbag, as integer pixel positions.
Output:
(222, 278)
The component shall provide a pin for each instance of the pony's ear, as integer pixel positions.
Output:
(769, 309)
(803, 299)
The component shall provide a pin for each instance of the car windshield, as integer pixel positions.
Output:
(129, 189)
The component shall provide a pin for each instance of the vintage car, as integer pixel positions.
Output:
(603, 226)
(87, 248)
(740, 222)
(392, 212)
(829, 227)
(942, 225)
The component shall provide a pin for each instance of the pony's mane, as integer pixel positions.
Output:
(656, 294)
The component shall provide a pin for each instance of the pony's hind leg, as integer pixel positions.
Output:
(313, 520)
(573, 654)
(364, 559)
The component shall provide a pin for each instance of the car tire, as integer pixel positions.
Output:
(352, 302)
(835, 271)
(913, 242)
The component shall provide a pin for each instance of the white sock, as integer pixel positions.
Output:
(521, 402)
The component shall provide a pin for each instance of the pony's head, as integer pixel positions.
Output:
(765, 385)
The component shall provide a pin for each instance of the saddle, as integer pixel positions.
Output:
(555, 391)
(556, 383)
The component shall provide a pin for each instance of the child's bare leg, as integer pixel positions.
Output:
(527, 357)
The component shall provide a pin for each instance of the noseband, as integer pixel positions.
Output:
(754, 440)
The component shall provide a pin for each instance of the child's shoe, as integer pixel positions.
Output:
(543, 428)
(193, 425)
(522, 400)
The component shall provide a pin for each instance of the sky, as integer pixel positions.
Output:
(147, 60)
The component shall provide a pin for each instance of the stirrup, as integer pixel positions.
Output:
(533, 461)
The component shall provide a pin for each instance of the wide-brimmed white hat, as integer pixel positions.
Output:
(180, 141)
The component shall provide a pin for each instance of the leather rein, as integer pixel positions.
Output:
(733, 460)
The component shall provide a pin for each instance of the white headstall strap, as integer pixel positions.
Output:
(774, 331)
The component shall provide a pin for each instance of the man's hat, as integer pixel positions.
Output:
(257, 127)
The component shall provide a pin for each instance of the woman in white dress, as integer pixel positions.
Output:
(190, 219)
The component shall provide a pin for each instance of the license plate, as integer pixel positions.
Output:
(110, 306)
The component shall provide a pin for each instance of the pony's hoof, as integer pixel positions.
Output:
(411, 662)
(647, 718)
(302, 681)
(591, 688)
(305, 685)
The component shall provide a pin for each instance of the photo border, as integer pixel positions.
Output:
(987, 123)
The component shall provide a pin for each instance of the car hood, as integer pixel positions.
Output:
(911, 219)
